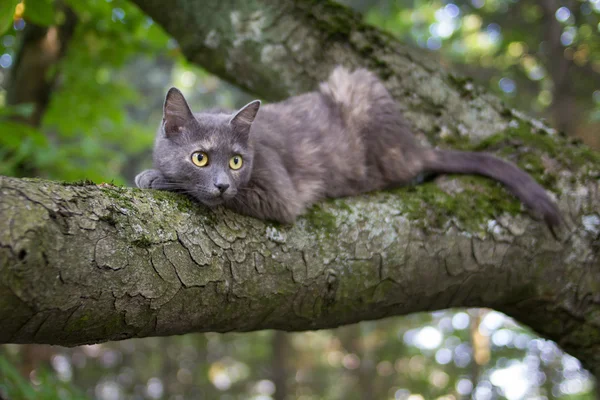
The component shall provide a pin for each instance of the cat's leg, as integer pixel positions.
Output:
(151, 179)
(271, 196)
(267, 203)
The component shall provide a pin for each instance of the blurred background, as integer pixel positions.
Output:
(81, 89)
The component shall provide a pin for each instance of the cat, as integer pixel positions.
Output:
(346, 138)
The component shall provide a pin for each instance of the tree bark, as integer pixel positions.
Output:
(83, 263)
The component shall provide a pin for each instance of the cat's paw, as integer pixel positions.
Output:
(146, 179)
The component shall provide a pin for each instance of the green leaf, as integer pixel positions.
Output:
(7, 11)
(40, 12)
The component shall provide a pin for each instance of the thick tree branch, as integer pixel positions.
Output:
(83, 264)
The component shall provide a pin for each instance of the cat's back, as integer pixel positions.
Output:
(297, 130)
(339, 133)
(297, 118)
(313, 138)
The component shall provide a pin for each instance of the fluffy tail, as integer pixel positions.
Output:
(516, 180)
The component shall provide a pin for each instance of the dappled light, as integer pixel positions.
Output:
(424, 356)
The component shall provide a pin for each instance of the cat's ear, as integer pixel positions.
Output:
(245, 116)
(176, 112)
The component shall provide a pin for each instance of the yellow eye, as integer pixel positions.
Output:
(200, 159)
(235, 162)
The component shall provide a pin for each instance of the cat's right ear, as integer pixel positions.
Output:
(242, 120)
(176, 112)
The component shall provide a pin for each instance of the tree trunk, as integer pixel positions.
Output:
(281, 352)
(563, 102)
(34, 73)
(83, 263)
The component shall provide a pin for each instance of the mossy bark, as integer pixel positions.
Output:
(86, 263)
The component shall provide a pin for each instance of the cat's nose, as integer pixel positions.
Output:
(222, 187)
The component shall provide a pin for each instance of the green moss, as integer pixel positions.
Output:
(335, 19)
(506, 112)
(480, 200)
(462, 84)
(483, 198)
(143, 242)
(277, 225)
(342, 205)
(528, 150)
(532, 163)
(78, 325)
(457, 142)
(123, 196)
(117, 193)
(568, 152)
(109, 219)
(82, 182)
(321, 219)
(179, 201)
(185, 204)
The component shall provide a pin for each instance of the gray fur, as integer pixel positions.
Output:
(344, 139)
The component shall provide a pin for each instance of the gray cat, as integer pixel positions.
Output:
(344, 139)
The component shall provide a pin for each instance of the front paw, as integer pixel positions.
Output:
(148, 179)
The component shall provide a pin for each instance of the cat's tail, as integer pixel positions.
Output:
(516, 180)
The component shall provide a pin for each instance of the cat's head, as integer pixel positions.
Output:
(206, 155)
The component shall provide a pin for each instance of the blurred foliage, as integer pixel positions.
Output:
(100, 125)
(7, 10)
(445, 355)
(46, 385)
(87, 131)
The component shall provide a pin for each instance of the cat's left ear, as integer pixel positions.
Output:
(176, 112)
(243, 119)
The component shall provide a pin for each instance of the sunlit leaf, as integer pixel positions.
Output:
(40, 12)
(7, 12)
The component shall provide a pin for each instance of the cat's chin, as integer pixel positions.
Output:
(213, 201)
(217, 201)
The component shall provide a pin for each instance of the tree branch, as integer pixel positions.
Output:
(84, 264)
